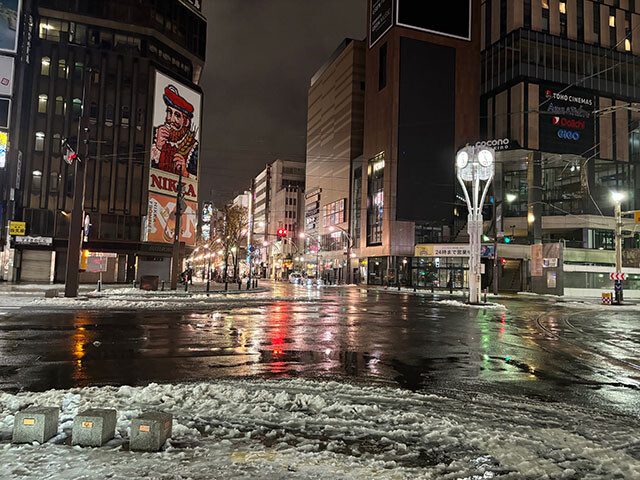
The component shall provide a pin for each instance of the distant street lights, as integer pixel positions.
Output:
(474, 165)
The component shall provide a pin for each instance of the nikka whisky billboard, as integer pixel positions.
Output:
(174, 157)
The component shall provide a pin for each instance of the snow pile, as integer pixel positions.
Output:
(303, 429)
(457, 303)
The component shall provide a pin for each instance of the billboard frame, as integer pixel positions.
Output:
(18, 22)
(435, 32)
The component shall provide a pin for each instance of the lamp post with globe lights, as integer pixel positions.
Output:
(475, 165)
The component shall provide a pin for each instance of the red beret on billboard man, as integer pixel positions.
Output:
(175, 147)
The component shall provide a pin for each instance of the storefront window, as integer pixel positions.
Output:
(375, 200)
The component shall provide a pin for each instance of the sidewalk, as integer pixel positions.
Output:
(90, 290)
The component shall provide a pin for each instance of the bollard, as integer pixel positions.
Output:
(162, 286)
(226, 285)
(432, 288)
(239, 284)
(94, 427)
(35, 424)
(186, 286)
(248, 284)
(134, 284)
(99, 285)
(485, 294)
(150, 431)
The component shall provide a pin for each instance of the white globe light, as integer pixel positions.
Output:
(462, 159)
(485, 157)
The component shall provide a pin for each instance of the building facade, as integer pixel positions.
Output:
(278, 204)
(422, 99)
(121, 69)
(560, 96)
(334, 143)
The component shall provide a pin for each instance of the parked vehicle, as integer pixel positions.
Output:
(296, 278)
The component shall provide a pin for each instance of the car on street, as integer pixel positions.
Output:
(296, 278)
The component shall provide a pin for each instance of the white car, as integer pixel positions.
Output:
(295, 278)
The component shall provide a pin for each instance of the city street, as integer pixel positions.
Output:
(331, 382)
(559, 351)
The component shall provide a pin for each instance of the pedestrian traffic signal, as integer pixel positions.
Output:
(282, 233)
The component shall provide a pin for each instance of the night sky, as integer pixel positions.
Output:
(261, 55)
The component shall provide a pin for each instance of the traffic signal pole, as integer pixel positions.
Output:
(77, 213)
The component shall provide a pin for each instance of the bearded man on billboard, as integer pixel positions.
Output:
(175, 147)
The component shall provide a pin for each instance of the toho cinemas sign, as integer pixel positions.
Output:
(167, 184)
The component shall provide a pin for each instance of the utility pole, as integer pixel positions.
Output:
(618, 219)
(77, 213)
(175, 258)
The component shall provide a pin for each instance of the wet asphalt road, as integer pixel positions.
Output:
(534, 347)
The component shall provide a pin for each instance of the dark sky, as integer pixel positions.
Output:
(261, 55)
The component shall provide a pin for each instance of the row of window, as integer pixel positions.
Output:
(564, 7)
(55, 30)
(334, 213)
(545, 57)
(109, 116)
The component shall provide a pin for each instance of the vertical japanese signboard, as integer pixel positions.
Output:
(175, 150)
(381, 19)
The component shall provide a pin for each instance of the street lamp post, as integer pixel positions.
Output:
(349, 247)
(618, 198)
(475, 165)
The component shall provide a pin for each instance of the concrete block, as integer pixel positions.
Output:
(35, 424)
(150, 430)
(94, 427)
(51, 293)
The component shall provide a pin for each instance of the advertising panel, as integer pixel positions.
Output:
(9, 21)
(451, 18)
(566, 121)
(3, 149)
(175, 150)
(6, 75)
(161, 220)
(381, 19)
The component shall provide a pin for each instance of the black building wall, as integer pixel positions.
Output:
(426, 131)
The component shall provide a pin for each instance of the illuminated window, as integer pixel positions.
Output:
(62, 68)
(627, 44)
(43, 100)
(77, 108)
(61, 106)
(545, 4)
(39, 145)
(563, 7)
(612, 21)
(36, 181)
(46, 64)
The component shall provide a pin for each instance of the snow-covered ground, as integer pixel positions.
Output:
(305, 429)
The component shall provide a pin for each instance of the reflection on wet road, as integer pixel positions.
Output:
(533, 346)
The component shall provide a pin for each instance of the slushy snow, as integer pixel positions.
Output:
(305, 429)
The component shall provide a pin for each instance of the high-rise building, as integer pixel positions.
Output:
(334, 161)
(126, 72)
(278, 205)
(552, 85)
(422, 100)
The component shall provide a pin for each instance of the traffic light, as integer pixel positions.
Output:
(503, 261)
(282, 233)
(507, 239)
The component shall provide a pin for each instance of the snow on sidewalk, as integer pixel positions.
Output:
(308, 430)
